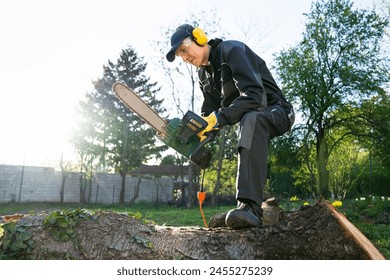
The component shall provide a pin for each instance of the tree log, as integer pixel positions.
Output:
(312, 232)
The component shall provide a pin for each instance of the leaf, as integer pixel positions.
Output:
(18, 245)
(73, 223)
(70, 231)
(51, 218)
(24, 236)
(62, 222)
(6, 244)
(31, 244)
(25, 223)
(64, 237)
(55, 233)
(10, 228)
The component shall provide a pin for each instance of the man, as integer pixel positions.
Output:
(237, 88)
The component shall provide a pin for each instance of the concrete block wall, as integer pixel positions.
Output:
(10, 178)
(106, 189)
(18, 183)
(42, 184)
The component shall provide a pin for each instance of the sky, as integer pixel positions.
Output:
(51, 51)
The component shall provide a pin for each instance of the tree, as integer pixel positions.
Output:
(109, 132)
(284, 166)
(314, 232)
(383, 8)
(335, 67)
(66, 169)
(372, 130)
(219, 177)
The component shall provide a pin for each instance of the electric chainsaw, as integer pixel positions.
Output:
(179, 134)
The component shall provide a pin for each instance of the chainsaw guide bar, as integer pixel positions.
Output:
(138, 106)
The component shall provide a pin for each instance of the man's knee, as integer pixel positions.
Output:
(252, 124)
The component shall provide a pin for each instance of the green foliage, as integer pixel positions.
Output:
(227, 180)
(372, 207)
(327, 75)
(345, 170)
(287, 176)
(168, 160)
(15, 242)
(371, 216)
(62, 224)
(224, 162)
(136, 215)
(379, 235)
(375, 139)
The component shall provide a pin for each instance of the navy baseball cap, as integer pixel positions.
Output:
(182, 32)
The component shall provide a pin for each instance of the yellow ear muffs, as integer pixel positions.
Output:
(199, 36)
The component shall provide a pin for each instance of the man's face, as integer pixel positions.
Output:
(190, 53)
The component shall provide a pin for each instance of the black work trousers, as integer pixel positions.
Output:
(257, 128)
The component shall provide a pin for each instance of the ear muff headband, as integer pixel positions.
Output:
(199, 36)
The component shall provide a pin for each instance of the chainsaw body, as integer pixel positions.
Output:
(181, 135)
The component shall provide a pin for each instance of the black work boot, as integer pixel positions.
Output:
(244, 216)
(218, 220)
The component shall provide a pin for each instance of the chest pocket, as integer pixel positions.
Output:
(229, 90)
(204, 82)
(208, 85)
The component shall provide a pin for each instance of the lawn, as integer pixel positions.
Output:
(168, 215)
(372, 218)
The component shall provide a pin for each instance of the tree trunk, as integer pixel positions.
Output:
(62, 189)
(136, 190)
(322, 159)
(63, 178)
(83, 186)
(123, 188)
(124, 163)
(312, 232)
(219, 167)
(190, 192)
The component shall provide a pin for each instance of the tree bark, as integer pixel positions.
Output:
(219, 167)
(312, 232)
(322, 158)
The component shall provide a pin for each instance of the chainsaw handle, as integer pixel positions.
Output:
(209, 136)
(201, 156)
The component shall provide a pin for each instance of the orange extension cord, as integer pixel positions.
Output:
(201, 198)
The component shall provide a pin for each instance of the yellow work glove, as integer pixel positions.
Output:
(212, 124)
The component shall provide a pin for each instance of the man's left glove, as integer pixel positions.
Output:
(212, 125)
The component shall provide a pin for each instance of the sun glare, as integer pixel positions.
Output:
(36, 126)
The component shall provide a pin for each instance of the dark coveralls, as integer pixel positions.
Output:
(238, 85)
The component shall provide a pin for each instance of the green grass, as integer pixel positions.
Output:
(161, 215)
(371, 217)
(169, 215)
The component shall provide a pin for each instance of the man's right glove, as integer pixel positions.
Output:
(212, 125)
